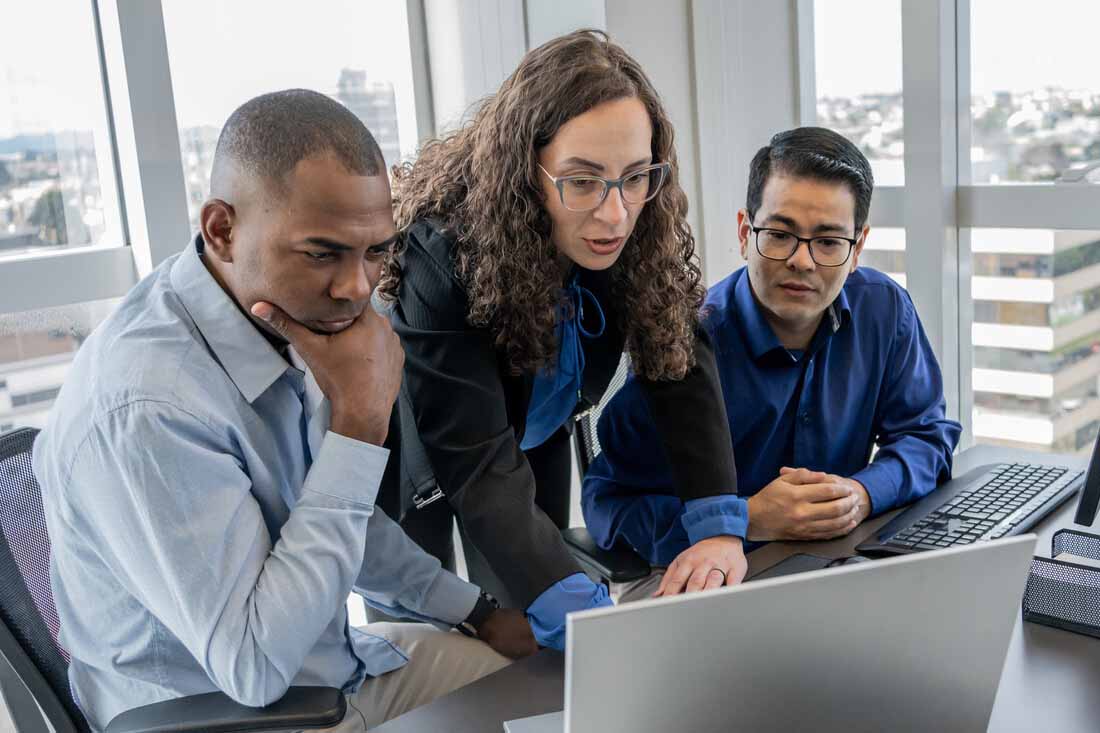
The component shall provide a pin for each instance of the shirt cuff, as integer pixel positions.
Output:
(347, 469)
(547, 613)
(712, 516)
(881, 487)
(450, 599)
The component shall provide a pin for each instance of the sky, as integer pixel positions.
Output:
(222, 52)
(857, 45)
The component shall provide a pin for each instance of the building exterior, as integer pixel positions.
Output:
(32, 369)
(374, 103)
(1036, 336)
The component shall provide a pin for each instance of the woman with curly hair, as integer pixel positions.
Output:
(542, 239)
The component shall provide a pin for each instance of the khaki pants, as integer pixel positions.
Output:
(439, 662)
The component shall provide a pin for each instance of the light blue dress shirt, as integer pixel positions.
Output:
(206, 526)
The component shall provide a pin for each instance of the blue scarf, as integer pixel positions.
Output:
(556, 390)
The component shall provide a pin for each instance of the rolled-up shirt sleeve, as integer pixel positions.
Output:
(179, 526)
(715, 515)
(574, 593)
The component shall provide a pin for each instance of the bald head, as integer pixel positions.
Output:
(266, 137)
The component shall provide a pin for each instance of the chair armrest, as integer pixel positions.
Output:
(216, 712)
(617, 565)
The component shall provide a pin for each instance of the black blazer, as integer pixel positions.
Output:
(471, 412)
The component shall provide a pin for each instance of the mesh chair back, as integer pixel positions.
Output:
(586, 424)
(26, 599)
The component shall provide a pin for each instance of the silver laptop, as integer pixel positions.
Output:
(913, 643)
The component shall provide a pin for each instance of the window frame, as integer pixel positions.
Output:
(69, 275)
(140, 162)
(939, 203)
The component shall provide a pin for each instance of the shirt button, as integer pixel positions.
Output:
(806, 418)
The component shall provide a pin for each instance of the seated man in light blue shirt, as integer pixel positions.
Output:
(209, 470)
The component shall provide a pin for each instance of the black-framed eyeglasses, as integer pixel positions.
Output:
(584, 193)
(777, 244)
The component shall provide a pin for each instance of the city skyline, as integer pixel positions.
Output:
(46, 87)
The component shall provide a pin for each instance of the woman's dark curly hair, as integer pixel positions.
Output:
(483, 183)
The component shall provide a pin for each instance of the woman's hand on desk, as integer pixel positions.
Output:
(710, 563)
(807, 505)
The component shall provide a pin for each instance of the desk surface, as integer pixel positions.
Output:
(1050, 679)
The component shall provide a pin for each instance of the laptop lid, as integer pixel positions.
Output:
(907, 643)
(549, 723)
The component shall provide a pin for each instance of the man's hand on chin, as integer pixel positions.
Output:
(710, 563)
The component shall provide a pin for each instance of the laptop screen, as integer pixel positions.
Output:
(1090, 495)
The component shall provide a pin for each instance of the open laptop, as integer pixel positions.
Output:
(907, 643)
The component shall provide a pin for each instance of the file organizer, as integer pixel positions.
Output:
(1062, 594)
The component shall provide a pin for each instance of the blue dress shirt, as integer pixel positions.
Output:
(555, 391)
(868, 377)
(206, 525)
(553, 400)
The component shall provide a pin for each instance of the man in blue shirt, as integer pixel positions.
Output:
(210, 468)
(820, 362)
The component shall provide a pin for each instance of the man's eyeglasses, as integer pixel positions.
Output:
(584, 193)
(776, 244)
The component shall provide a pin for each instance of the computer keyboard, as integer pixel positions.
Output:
(1009, 499)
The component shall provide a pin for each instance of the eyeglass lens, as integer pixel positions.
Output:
(779, 245)
(582, 193)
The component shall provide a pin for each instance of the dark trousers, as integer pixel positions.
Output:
(433, 526)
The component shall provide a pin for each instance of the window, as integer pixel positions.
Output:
(884, 250)
(36, 349)
(1016, 267)
(1035, 89)
(354, 51)
(858, 79)
(1036, 338)
(57, 185)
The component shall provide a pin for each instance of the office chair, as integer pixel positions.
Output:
(620, 564)
(34, 666)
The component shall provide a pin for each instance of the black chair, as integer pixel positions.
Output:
(34, 666)
(620, 564)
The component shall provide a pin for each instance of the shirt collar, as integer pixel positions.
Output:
(839, 311)
(243, 352)
(759, 335)
(758, 332)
